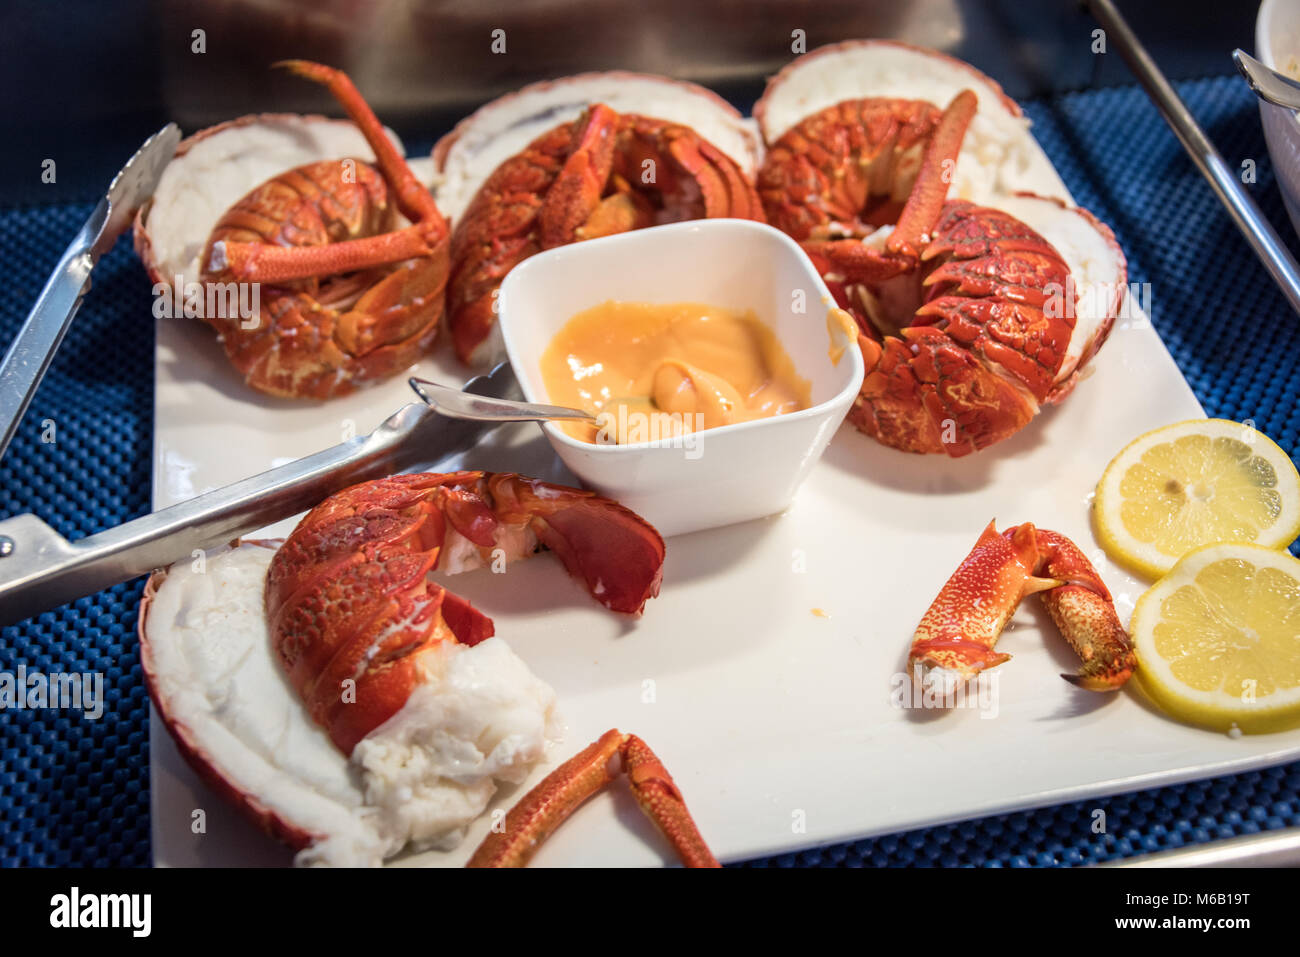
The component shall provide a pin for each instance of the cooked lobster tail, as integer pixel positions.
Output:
(352, 606)
(604, 173)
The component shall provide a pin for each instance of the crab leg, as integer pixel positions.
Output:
(955, 639)
(545, 807)
(274, 264)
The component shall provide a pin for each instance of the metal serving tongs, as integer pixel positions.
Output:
(457, 404)
(1267, 83)
(40, 569)
(29, 356)
(1256, 229)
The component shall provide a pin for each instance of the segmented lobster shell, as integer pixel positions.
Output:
(687, 178)
(968, 317)
(320, 338)
(351, 604)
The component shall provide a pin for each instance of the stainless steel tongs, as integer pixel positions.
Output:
(30, 353)
(40, 569)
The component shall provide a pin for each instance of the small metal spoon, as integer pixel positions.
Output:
(1267, 83)
(456, 404)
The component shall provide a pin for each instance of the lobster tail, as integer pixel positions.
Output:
(609, 548)
(605, 172)
(353, 609)
(969, 317)
(346, 297)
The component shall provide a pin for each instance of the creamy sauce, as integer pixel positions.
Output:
(681, 366)
(839, 321)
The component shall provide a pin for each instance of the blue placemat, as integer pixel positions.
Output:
(75, 791)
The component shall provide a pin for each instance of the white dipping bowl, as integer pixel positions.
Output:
(718, 476)
(1277, 42)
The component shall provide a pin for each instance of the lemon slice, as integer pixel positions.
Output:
(1218, 639)
(1193, 484)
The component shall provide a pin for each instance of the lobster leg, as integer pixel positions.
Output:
(261, 262)
(851, 261)
(856, 262)
(656, 792)
(576, 194)
(415, 202)
(545, 807)
(963, 623)
(955, 639)
(930, 190)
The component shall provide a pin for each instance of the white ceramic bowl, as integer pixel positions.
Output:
(1277, 43)
(717, 476)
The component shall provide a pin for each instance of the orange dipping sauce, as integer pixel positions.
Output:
(660, 370)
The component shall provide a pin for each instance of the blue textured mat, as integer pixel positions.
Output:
(76, 791)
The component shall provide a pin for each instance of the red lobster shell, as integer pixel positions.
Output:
(618, 165)
(968, 315)
(364, 298)
(349, 597)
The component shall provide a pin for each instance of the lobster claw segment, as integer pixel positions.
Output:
(563, 791)
(955, 639)
(352, 607)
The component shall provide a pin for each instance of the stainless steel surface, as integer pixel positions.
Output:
(461, 405)
(1267, 83)
(1272, 849)
(30, 353)
(94, 86)
(1261, 235)
(42, 569)
(421, 55)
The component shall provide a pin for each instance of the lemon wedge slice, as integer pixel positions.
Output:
(1193, 484)
(1218, 639)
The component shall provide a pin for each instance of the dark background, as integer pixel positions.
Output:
(85, 81)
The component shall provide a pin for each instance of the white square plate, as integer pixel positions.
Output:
(777, 724)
